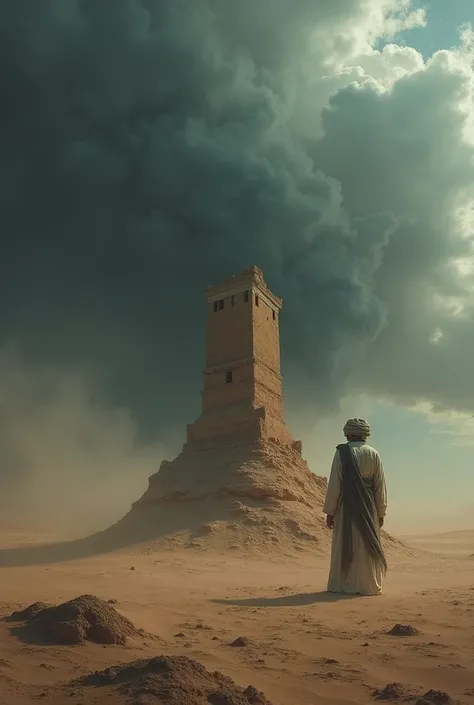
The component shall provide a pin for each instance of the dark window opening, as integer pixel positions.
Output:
(246, 296)
(214, 307)
(273, 315)
(256, 300)
(228, 377)
(232, 300)
(221, 304)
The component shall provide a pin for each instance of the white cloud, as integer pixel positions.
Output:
(397, 135)
(456, 426)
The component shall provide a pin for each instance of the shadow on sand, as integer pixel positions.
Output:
(23, 630)
(27, 635)
(300, 600)
(139, 526)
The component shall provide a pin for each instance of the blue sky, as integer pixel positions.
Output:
(429, 474)
(427, 466)
(444, 17)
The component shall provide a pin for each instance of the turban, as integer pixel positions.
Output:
(357, 427)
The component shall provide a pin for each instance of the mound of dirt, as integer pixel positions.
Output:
(28, 613)
(241, 641)
(394, 692)
(171, 680)
(248, 497)
(403, 630)
(435, 697)
(85, 618)
(254, 499)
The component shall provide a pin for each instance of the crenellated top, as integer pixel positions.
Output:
(250, 278)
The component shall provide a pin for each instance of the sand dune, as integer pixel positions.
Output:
(459, 543)
(299, 645)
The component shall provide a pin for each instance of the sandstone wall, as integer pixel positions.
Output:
(242, 341)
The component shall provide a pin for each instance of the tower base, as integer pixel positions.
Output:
(252, 497)
(228, 428)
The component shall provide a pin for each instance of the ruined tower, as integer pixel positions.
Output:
(242, 391)
(240, 481)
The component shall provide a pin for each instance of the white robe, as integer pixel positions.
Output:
(364, 576)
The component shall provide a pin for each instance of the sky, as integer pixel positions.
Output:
(151, 147)
(443, 20)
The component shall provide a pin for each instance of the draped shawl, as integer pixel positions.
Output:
(358, 502)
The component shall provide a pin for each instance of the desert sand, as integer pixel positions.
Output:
(298, 645)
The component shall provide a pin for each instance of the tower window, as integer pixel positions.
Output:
(246, 296)
(256, 300)
(221, 304)
(232, 300)
(214, 306)
(273, 315)
(228, 377)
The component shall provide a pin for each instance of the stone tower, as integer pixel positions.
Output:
(242, 390)
(240, 481)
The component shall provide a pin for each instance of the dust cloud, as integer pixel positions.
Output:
(70, 463)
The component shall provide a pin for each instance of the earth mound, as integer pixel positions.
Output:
(435, 697)
(254, 499)
(85, 618)
(250, 498)
(171, 680)
(403, 630)
(395, 691)
(241, 641)
(28, 613)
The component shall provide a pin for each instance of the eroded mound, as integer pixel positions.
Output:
(403, 630)
(172, 680)
(435, 697)
(396, 691)
(85, 618)
(28, 613)
(254, 499)
(400, 692)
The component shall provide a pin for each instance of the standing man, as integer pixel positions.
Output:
(356, 503)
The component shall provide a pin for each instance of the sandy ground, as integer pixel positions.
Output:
(305, 646)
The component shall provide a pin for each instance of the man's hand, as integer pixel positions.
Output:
(380, 522)
(330, 521)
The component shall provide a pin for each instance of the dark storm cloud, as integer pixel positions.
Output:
(145, 155)
(149, 148)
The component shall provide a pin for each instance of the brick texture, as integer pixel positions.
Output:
(242, 390)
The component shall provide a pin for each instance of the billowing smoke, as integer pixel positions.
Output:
(150, 147)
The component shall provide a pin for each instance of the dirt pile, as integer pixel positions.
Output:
(256, 499)
(28, 613)
(403, 630)
(435, 697)
(241, 641)
(396, 692)
(253, 498)
(405, 693)
(261, 471)
(170, 680)
(85, 618)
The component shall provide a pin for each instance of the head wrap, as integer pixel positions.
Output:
(357, 427)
